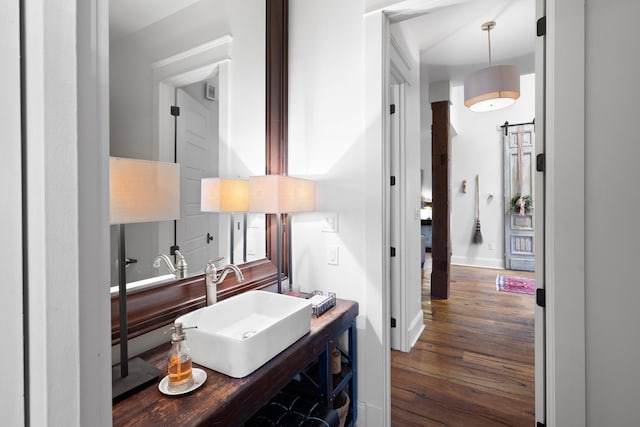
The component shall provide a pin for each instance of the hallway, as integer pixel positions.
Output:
(474, 363)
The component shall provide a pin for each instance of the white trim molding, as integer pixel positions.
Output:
(224, 42)
(12, 403)
(377, 365)
(564, 214)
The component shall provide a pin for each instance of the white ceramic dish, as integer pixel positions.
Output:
(199, 377)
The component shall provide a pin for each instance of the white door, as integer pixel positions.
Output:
(540, 322)
(519, 190)
(197, 153)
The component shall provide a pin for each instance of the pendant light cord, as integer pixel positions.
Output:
(489, 40)
(488, 26)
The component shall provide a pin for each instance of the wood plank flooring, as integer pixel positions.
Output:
(474, 363)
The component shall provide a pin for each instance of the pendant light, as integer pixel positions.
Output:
(494, 87)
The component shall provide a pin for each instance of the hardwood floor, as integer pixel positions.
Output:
(474, 363)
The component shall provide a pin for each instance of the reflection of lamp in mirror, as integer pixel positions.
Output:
(139, 191)
(226, 195)
(278, 194)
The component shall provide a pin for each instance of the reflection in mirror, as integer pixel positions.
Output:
(207, 57)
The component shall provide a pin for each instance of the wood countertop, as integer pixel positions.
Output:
(226, 401)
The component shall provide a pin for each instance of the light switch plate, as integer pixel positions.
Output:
(330, 222)
(332, 254)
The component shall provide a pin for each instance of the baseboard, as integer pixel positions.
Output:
(415, 328)
(494, 263)
(370, 415)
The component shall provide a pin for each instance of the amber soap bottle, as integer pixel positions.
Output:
(179, 358)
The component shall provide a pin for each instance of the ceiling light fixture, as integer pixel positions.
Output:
(494, 87)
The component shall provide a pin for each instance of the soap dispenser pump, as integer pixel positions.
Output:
(180, 366)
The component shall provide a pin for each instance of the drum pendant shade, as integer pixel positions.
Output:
(494, 87)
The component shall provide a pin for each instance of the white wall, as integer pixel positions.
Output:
(611, 213)
(327, 144)
(477, 149)
(325, 139)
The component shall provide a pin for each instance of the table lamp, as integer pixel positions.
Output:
(278, 194)
(226, 195)
(139, 191)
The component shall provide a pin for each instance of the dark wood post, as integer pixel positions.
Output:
(277, 97)
(441, 167)
(277, 72)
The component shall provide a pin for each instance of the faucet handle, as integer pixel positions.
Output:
(210, 267)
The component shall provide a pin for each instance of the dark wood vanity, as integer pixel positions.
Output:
(226, 401)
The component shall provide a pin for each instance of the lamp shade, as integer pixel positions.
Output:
(280, 194)
(492, 88)
(143, 191)
(224, 195)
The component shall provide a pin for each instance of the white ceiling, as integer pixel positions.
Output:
(129, 16)
(452, 44)
(446, 31)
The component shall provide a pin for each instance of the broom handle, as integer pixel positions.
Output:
(477, 196)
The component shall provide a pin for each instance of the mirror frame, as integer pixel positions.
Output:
(154, 308)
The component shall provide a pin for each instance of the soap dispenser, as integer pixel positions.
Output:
(180, 369)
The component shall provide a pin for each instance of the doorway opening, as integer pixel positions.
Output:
(471, 262)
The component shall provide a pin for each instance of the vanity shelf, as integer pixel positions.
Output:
(223, 400)
(317, 381)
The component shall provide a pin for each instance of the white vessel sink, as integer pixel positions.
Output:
(238, 335)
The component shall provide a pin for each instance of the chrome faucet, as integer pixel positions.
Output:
(213, 276)
(180, 269)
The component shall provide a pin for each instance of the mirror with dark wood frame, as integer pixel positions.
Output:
(152, 308)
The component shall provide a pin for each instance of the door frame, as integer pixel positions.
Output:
(564, 126)
(564, 225)
(182, 69)
(13, 218)
(396, 214)
(404, 73)
(378, 50)
(539, 232)
(377, 364)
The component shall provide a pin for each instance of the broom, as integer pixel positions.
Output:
(477, 236)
